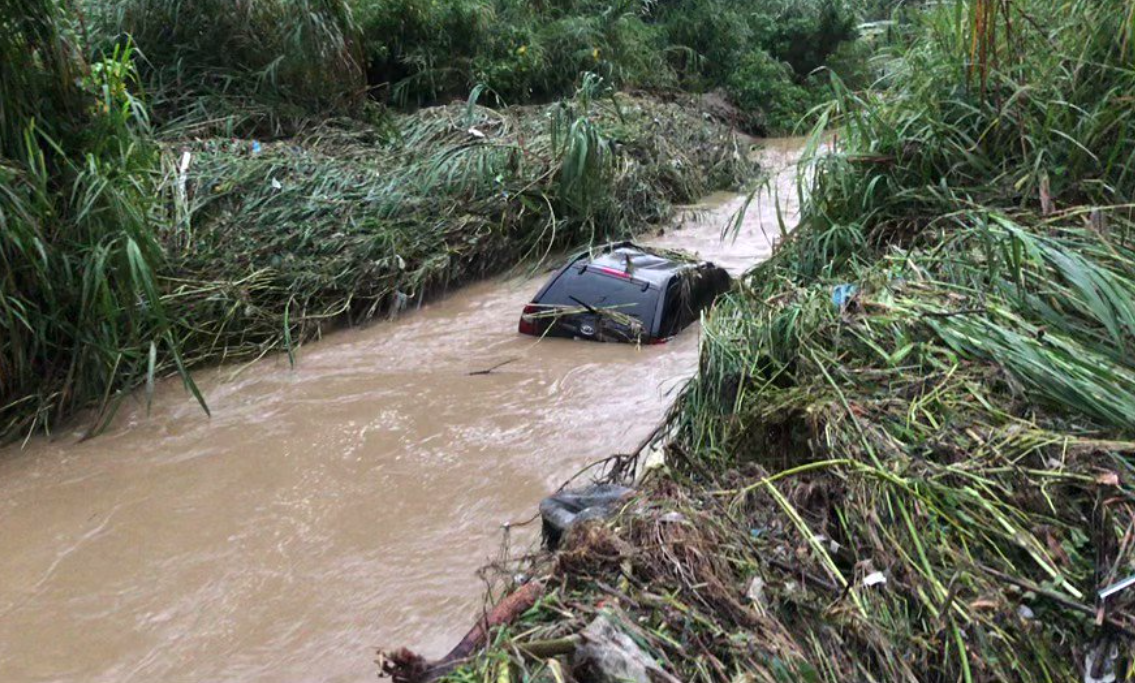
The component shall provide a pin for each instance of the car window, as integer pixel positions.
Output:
(603, 291)
(675, 314)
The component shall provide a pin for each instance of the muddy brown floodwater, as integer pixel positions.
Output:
(328, 509)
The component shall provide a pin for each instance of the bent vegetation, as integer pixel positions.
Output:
(907, 452)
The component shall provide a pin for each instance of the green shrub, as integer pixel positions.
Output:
(425, 51)
(764, 89)
(272, 62)
(713, 34)
(764, 56)
(852, 62)
(424, 48)
(805, 33)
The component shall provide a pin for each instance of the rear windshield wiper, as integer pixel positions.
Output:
(590, 309)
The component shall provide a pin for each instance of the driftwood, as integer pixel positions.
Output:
(405, 666)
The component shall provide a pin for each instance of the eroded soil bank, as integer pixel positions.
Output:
(331, 508)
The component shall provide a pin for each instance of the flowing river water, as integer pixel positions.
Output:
(331, 508)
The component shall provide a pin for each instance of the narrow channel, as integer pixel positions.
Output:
(335, 507)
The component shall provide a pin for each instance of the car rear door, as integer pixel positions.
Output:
(596, 304)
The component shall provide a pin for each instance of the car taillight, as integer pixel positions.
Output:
(527, 322)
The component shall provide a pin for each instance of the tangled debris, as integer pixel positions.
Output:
(565, 509)
(404, 666)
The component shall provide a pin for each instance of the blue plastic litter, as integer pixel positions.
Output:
(255, 147)
(841, 294)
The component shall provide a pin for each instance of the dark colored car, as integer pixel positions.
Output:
(624, 293)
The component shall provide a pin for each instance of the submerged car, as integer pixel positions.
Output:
(624, 293)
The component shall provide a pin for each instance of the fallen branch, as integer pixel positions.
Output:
(546, 649)
(405, 666)
(1059, 599)
(489, 371)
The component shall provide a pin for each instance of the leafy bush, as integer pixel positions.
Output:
(762, 55)
(424, 47)
(805, 34)
(269, 62)
(713, 35)
(521, 52)
(854, 63)
(764, 88)
(273, 64)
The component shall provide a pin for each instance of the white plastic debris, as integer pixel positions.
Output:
(1117, 587)
(476, 133)
(874, 579)
(653, 459)
(1100, 662)
(400, 303)
(607, 655)
(277, 185)
(756, 591)
(182, 183)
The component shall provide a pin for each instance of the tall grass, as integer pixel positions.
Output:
(971, 404)
(266, 66)
(80, 301)
(273, 66)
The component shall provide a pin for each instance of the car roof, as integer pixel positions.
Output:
(645, 266)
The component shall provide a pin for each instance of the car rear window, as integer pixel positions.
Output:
(598, 290)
